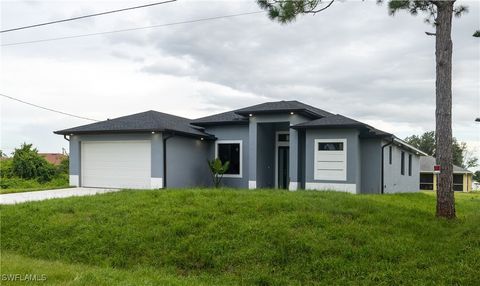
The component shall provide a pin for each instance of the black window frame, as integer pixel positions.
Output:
(390, 155)
(339, 146)
(402, 163)
(236, 165)
(410, 165)
(283, 137)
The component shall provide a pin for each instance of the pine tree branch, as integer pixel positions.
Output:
(320, 10)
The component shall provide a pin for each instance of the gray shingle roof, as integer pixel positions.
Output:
(226, 117)
(427, 163)
(284, 106)
(333, 120)
(341, 121)
(140, 122)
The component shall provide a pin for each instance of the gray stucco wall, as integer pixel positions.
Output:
(394, 181)
(156, 149)
(266, 141)
(371, 172)
(265, 155)
(187, 162)
(74, 149)
(301, 158)
(232, 132)
(353, 154)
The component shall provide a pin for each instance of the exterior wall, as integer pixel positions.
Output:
(253, 161)
(371, 157)
(156, 153)
(233, 132)
(301, 159)
(265, 156)
(467, 182)
(394, 181)
(353, 182)
(187, 162)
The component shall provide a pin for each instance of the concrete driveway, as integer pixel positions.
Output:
(16, 198)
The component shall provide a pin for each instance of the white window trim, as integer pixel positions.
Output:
(315, 152)
(241, 156)
(278, 144)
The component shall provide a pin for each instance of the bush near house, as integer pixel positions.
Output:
(243, 237)
(27, 171)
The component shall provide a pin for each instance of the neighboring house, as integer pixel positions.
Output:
(53, 158)
(462, 178)
(476, 186)
(284, 144)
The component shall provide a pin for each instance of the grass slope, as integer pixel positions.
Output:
(185, 237)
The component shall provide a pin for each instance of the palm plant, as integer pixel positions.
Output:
(218, 169)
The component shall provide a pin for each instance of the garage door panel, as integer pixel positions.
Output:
(116, 164)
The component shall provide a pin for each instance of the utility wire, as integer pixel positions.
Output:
(86, 16)
(46, 108)
(133, 29)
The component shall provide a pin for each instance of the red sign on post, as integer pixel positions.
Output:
(436, 169)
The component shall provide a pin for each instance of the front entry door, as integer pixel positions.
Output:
(283, 158)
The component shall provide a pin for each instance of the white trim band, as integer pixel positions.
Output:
(349, 188)
(252, 185)
(156, 183)
(293, 186)
(73, 180)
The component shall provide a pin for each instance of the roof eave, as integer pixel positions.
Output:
(187, 134)
(278, 111)
(216, 123)
(300, 126)
(73, 132)
(405, 144)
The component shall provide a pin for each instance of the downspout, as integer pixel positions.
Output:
(165, 158)
(65, 137)
(383, 164)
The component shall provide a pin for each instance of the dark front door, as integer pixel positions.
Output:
(283, 157)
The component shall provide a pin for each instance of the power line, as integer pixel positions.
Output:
(86, 16)
(133, 29)
(46, 108)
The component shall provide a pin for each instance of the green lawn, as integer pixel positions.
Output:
(231, 237)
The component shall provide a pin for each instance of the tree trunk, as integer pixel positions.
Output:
(443, 114)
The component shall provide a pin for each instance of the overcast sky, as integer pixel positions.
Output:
(353, 59)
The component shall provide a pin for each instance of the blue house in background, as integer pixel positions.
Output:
(283, 144)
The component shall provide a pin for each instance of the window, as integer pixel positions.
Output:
(330, 146)
(330, 160)
(402, 166)
(390, 155)
(458, 182)
(409, 164)
(283, 137)
(426, 181)
(230, 151)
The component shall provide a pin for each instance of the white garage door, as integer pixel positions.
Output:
(116, 164)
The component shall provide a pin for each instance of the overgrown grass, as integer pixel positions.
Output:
(16, 185)
(264, 237)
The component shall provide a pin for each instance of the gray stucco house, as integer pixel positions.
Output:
(284, 144)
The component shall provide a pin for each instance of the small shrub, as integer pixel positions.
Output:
(218, 169)
(27, 164)
(63, 168)
(6, 168)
